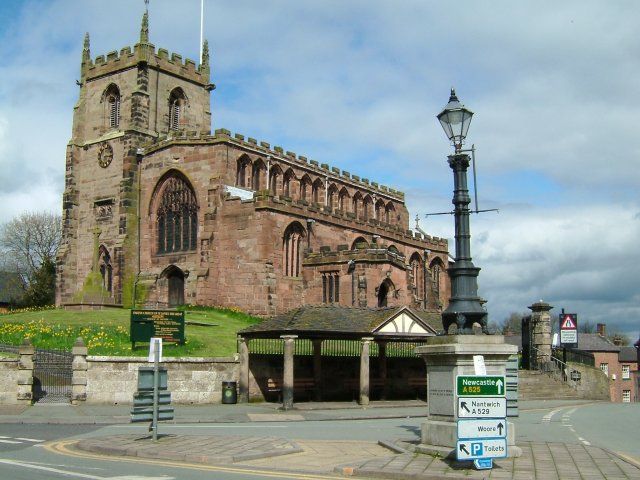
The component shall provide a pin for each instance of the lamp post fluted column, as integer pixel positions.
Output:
(464, 307)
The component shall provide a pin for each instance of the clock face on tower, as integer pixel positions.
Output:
(105, 155)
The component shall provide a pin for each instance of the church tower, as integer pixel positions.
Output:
(128, 100)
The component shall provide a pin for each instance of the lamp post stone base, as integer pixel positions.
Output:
(446, 357)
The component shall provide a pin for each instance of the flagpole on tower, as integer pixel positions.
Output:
(201, 28)
(146, 6)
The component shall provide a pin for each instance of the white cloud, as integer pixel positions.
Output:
(358, 84)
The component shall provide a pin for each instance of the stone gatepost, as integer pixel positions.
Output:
(25, 367)
(79, 377)
(446, 357)
(541, 332)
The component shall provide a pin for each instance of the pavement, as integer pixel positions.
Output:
(401, 459)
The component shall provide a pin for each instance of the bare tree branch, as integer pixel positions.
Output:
(30, 239)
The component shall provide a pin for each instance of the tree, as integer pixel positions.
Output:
(29, 240)
(513, 324)
(42, 289)
(586, 327)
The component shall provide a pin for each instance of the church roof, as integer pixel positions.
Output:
(344, 322)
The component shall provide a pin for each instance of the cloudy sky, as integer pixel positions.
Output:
(357, 84)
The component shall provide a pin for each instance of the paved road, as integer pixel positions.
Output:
(23, 456)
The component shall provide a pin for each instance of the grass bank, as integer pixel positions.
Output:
(209, 332)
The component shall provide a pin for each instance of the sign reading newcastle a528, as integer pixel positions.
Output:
(480, 386)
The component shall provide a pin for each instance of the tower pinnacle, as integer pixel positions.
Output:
(144, 29)
(86, 51)
(205, 53)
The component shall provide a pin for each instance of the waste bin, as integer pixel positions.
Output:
(229, 392)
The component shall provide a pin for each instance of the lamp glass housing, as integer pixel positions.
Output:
(455, 120)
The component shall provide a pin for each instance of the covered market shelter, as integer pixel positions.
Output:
(325, 353)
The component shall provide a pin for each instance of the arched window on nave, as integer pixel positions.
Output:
(291, 245)
(176, 215)
(242, 173)
(417, 274)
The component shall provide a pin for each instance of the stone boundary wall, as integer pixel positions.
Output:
(593, 385)
(197, 380)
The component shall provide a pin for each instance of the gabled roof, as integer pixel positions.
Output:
(11, 287)
(344, 322)
(628, 355)
(594, 342)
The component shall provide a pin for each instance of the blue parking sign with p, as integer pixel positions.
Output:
(476, 449)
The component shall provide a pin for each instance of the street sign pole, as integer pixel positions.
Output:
(156, 385)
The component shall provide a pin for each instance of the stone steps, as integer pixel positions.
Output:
(533, 385)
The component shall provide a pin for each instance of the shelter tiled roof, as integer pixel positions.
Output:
(319, 321)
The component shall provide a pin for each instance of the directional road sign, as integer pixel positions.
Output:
(482, 428)
(480, 386)
(482, 407)
(487, 448)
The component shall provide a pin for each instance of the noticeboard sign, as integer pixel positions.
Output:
(569, 330)
(165, 324)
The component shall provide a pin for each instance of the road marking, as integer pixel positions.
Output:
(62, 448)
(70, 473)
(35, 440)
(547, 418)
(198, 426)
(9, 441)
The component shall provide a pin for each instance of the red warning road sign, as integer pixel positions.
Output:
(568, 323)
(569, 330)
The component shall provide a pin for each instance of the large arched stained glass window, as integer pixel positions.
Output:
(176, 216)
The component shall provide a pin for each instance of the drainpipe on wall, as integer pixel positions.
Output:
(139, 155)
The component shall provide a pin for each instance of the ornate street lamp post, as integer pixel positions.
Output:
(464, 307)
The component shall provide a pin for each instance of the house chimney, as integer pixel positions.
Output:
(601, 327)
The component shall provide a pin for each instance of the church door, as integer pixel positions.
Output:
(176, 288)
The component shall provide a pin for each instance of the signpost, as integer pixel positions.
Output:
(494, 407)
(568, 330)
(165, 324)
(482, 423)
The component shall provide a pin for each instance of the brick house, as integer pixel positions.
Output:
(157, 208)
(619, 363)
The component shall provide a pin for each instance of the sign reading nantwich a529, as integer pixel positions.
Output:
(165, 324)
(480, 386)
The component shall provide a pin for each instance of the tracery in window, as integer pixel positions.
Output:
(332, 197)
(380, 208)
(305, 189)
(367, 206)
(417, 276)
(258, 175)
(176, 215)
(291, 243)
(436, 268)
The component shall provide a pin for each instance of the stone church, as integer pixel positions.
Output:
(159, 211)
